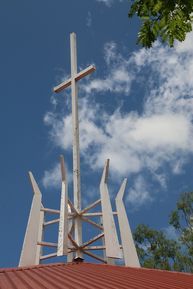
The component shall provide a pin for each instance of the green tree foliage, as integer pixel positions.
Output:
(155, 250)
(182, 220)
(168, 20)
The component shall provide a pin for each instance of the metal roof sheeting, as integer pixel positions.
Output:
(91, 276)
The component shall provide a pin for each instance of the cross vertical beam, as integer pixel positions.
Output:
(76, 149)
(75, 77)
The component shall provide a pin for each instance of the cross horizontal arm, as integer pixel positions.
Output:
(78, 76)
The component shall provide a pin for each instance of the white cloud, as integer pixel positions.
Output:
(139, 194)
(161, 130)
(161, 134)
(160, 178)
(61, 129)
(108, 3)
(117, 77)
(52, 178)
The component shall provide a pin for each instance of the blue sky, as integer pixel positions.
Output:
(136, 109)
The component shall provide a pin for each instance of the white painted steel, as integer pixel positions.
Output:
(51, 222)
(78, 76)
(95, 214)
(75, 212)
(109, 261)
(93, 248)
(129, 251)
(32, 247)
(63, 223)
(110, 233)
(51, 211)
(76, 148)
(48, 256)
(75, 126)
(40, 237)
(70, 255)
(94, 256)
(48, 244)
(98, 226)
(30, 254)
(91, 206)
(73, 241)
(94, 239)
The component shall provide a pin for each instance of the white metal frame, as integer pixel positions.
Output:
(71, 215)
(31, 252)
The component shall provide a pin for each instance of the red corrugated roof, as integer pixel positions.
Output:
(91, 276)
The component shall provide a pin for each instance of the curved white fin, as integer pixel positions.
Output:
(30, 254)
(63, 223)
(129, 250)
(110, 234)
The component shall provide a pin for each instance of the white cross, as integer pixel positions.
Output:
(75, 76)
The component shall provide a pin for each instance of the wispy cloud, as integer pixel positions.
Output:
(108, 3)
(117, 77)
(137, 142)
(52, 177)
(89, 19)
(139, 194)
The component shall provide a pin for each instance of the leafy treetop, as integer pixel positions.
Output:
(168, 20)
(156, 250)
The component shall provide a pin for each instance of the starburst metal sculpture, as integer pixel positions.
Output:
(71, 215)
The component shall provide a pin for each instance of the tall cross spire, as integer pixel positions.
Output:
(75, 76)
(71, 215)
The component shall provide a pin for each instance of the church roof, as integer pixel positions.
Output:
(91, 276)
